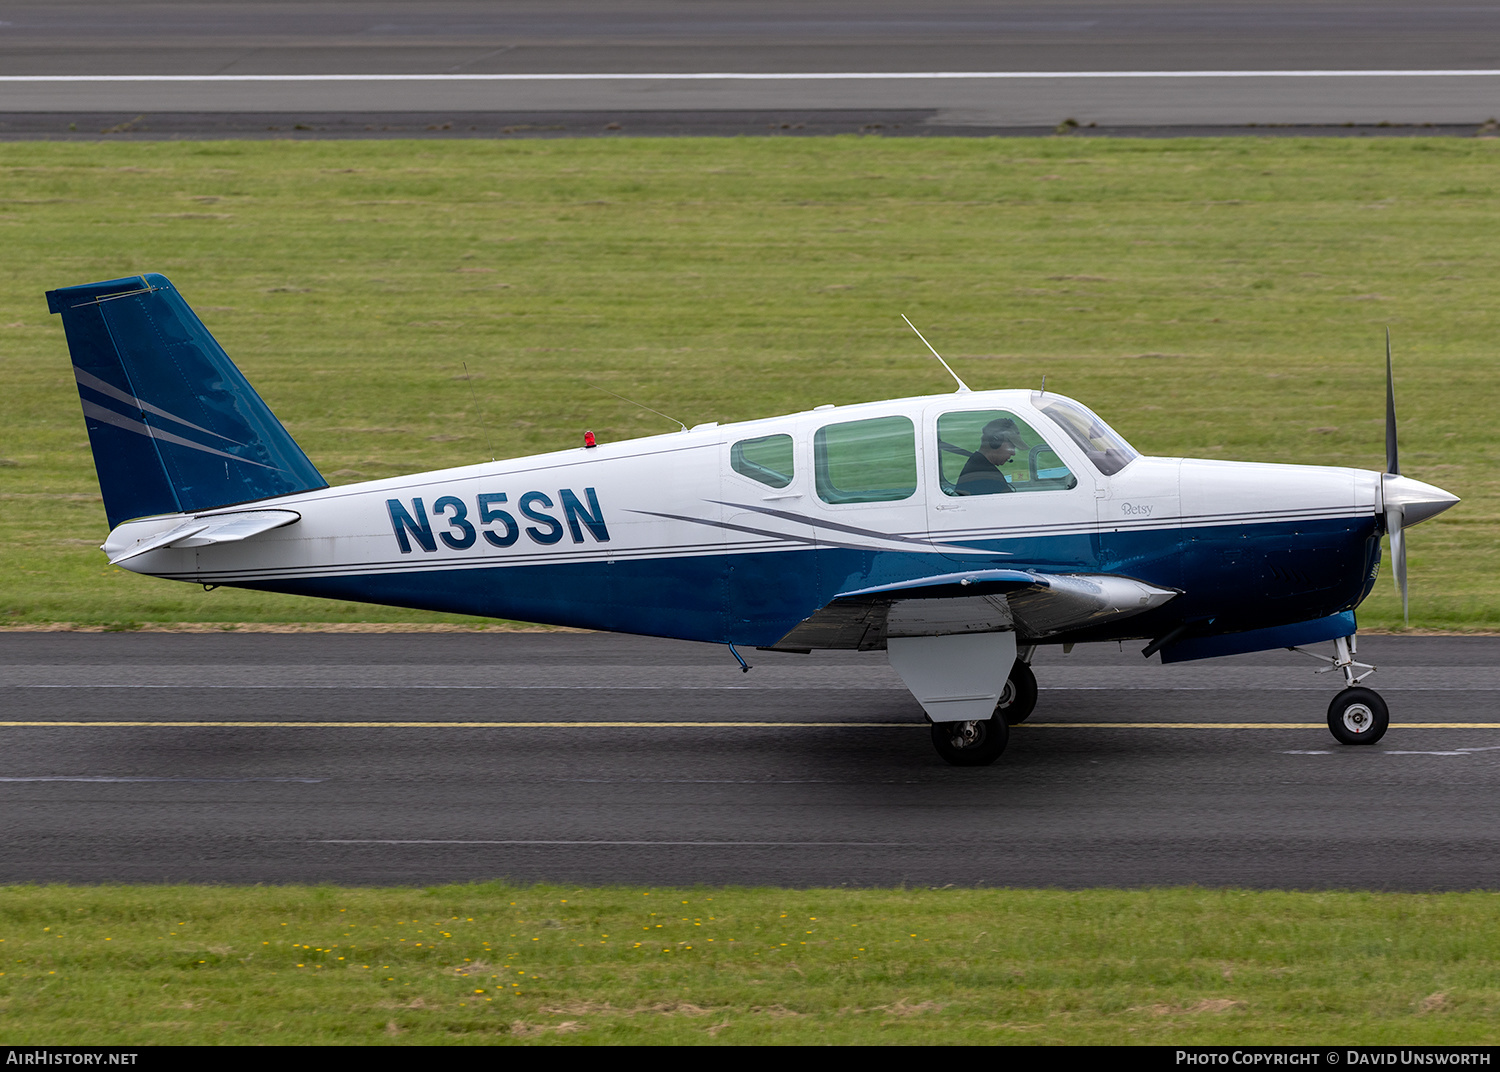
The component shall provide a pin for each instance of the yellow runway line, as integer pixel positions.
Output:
(468, 725)
(720, 725)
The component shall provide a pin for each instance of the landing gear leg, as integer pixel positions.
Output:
(1018, 699)
(1356, 715)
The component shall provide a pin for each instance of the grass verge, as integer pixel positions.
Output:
(499, 963)
(1220, 298)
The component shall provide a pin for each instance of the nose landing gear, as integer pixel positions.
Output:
(1356, 715)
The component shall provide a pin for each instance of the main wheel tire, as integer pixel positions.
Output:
(971, 744)
(1358, 716)
(1019, 698)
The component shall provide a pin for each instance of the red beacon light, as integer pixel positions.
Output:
(589, 440)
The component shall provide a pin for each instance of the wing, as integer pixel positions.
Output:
(1035, 605)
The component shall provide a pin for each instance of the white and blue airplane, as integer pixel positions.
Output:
(959, 532)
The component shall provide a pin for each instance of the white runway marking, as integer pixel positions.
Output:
(86, 778)
(744, 76)
(1407, 751)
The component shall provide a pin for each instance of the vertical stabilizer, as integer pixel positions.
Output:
(174, 426)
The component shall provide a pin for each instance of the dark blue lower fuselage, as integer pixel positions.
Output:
(1232, 578)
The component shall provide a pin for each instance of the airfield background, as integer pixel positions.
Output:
(532, 69)
(420, 269)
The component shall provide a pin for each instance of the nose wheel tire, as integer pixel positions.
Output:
(971, 744)
(1358, 716)
(1019, 698)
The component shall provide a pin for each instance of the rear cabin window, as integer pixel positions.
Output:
(866, 461)
(767, 459)
(990, 452)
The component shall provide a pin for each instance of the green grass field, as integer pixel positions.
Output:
(1220, 298)
(496, 963)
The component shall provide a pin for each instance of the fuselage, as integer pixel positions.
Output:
(736, 533)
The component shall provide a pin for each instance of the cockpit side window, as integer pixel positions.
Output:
(767, 459)
(866, 461)
(993, 452)
(1103, 445)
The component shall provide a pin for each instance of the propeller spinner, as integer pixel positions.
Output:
(1404, 501)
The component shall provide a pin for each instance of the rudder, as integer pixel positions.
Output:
(173, 425)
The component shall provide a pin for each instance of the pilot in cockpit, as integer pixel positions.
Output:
(998, 442)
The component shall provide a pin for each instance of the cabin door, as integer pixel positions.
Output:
(996, 484)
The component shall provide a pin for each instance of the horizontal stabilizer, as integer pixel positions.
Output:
(200, 532)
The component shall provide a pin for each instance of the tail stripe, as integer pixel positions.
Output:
(119, 420)
(94, 383)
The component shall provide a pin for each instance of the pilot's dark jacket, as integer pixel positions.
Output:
(981, 477)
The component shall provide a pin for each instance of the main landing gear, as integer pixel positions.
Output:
(971, 744)
(1019, 698)
(1356, 715)
(980, 742)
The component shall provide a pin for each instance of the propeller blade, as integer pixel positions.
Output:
(1392, 463)
(1403, 500)
(1395, 524)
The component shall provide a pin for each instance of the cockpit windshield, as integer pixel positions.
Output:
(1099, 441)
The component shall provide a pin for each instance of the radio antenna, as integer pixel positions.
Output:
(963, 388)
(633, 402)
(474, 400)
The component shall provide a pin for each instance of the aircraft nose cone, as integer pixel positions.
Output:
(1418, 501)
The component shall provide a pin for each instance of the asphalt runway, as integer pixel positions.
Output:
(411, 759)
(650, 66)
